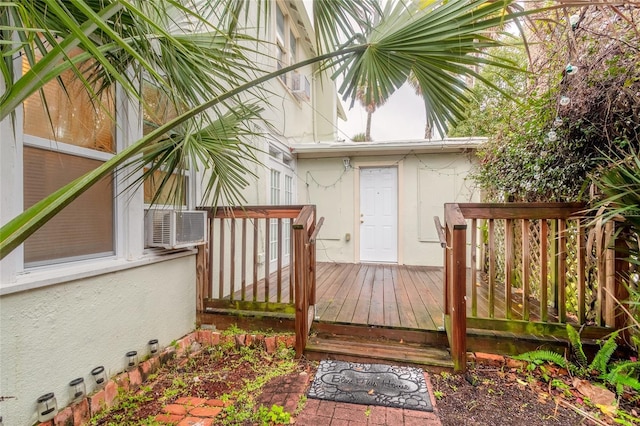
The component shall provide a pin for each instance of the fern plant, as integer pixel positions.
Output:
(541, 356)
(576, 346)
(619, 375)
(603, 356)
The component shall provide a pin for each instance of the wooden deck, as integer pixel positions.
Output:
(388, 295)
(380, 295)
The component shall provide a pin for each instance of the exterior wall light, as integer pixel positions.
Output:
(99, 375)
(347, 163)
(77, 389)
(47, 407)
(153, 346)
(132, 359)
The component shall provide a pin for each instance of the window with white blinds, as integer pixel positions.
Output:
(59, 144)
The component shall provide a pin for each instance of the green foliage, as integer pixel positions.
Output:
(359, 137)
(487, 107)
(601, 361)
(273, 416)
(128, 403)
(576, 346)
(616, 374)
(521, 162)
(368, 47)
(541, 356)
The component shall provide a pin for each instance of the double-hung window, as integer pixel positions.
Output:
(66, 134)
(286, 44)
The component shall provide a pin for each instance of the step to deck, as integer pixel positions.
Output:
(436, 338)
(352, 349)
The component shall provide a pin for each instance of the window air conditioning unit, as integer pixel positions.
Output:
(173, 229)
(301, 87)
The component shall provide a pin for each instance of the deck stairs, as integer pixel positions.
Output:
(359, 343)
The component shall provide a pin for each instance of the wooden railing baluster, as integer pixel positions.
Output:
(610, 271)
(474, 273)
(221, 272)
(291, 256)
(544, 271)
(232, 260)
(526, 266)
(255, 259)
(492, 267)
(243, 260)
(553, 261)
(267, 257)
(279, 239)
(562, 271)
(582, 255)
(508, 267)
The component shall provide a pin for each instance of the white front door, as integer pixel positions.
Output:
(379, 214)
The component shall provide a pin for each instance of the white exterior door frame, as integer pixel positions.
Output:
(357, 203)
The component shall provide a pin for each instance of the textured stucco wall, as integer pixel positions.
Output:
(52, 335)
(425, 183)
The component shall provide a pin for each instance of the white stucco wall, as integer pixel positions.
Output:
(54, 334)
(425, 182)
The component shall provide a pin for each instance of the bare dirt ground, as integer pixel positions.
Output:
(483, 396)
(503, 396)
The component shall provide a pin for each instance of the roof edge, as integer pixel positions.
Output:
(335, 149)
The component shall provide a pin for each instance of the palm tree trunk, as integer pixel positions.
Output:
(367, 133)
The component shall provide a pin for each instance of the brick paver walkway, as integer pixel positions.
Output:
(286, 391)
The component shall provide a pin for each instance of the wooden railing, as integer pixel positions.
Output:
(259, 259)
(544, 259)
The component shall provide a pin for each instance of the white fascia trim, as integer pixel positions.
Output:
(51, 275)
(336, 149)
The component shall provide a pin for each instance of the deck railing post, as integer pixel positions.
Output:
(203, 276)
(457, 305)
(458, 300)
(298, 287)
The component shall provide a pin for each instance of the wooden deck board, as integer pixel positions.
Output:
(351, 298)
(391, 295)
(361, 312)
(391, 314)
(406, 316)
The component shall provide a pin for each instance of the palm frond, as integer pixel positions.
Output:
(440, 43)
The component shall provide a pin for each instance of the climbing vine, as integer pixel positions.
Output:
(579, 105)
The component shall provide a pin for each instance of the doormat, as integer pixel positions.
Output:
(371, 384)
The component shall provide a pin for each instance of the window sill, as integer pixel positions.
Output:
(51, 275)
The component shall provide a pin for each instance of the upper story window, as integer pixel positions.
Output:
(66, 134)
(286, 43)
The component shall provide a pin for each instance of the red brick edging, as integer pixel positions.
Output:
(80, 413)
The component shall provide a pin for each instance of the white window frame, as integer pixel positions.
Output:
(128, 204)
(281, 162)
(283, 55)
